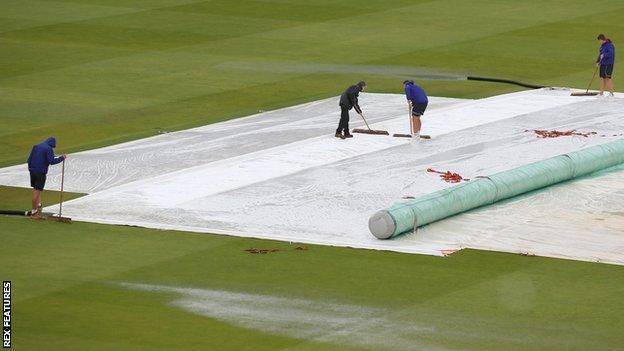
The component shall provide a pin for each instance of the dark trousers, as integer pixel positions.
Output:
(343, 125)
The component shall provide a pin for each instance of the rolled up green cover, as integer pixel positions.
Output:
(429, 208)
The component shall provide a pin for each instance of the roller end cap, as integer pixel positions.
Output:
(381, 225)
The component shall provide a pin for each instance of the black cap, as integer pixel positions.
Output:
(407, 81)
(601, 37)
(361, 84)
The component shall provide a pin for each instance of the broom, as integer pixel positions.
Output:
(587, 93)
(60, 217)
(398, 135)
(369, 131)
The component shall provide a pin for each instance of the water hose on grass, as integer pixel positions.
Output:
(506, 81)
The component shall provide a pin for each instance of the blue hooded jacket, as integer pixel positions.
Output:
(415, 94)
(607, 53)
(42, 156)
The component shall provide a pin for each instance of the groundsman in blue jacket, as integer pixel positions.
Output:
(417, 101)
(606, 60)
(41, 157)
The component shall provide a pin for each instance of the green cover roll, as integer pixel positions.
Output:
(533, 176)
(429, 208)
(596, 158)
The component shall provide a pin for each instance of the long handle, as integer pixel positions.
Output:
(361, 115)
(410, 118)
(592, 80)
(62, 183)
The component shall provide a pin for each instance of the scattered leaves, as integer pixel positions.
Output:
(542, 133)
(448, 176)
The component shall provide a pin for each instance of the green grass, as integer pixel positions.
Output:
(19, 198)
(65, 295)
(99, 72)
(64, 299)
(121, 70)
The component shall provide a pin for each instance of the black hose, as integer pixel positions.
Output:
(13, 212)
(497, 80)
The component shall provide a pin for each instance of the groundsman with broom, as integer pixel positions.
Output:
(41, 157)
(348, 100)
(605, 61)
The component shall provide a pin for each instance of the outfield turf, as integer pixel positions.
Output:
(66, 297)
(99, 72)
(118, 70)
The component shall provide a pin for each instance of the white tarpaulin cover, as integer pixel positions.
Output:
(283, 175)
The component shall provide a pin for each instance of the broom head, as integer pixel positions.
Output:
(371, 131)
(422, 136)
(584, 93)
(58, 218)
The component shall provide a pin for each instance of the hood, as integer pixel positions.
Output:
(51, 141)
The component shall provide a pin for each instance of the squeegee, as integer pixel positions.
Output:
(587, 93)
(369, 131)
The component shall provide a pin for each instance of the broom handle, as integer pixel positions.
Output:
(410, 117)
(62, 181)
(361, 115)
(592, 80)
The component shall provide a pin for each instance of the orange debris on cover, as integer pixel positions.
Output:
(447, 252)
(541, 133)
(448, 176)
